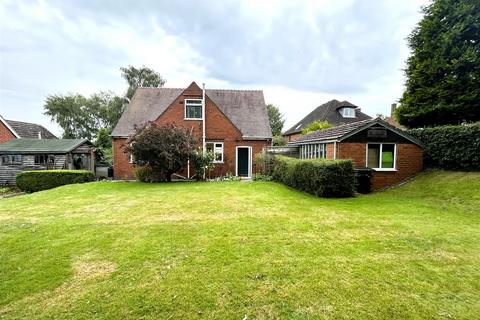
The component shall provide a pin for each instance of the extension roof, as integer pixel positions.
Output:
(28, 130)
(344, 131)
(30, 146)
(328, 112)
(245, 108)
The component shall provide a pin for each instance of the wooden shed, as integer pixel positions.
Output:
(35, 154)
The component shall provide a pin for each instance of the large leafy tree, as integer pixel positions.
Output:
(275, 118)
(140, 77)
(443, 72)
(315, 126)
(166, 149)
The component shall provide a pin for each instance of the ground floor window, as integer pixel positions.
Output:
(216, 148)
(313, 151)
(381, 155)
(44, 159)
(12, 159)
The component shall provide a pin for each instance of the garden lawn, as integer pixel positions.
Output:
(230, 250)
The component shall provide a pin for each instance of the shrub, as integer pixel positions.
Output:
(451, 147)
(262, 177)
(31, 181)
(201, 163)
(147, 174)
(323, 178)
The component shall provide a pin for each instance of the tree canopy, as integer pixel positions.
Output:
(443, 71)
(276, 119)
(315, 126)
(140, 77)
(166, 149)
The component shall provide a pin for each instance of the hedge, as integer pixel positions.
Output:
(31, 181)
(451, 147)
(323, 178)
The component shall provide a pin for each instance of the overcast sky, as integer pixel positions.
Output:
(301, 53)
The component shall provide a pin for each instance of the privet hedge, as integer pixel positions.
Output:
(31, 181)
(323, 178)
(451, 147)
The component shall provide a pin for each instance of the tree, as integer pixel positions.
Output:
(443, 71)
(276, 119)
(315, 126)
(166, 149)
(81, 117)
(140, 77)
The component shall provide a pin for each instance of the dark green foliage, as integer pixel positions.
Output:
(279, 141)
(262, 177)
(147, 174)
(276, 119)
(201, 163)
(140, 77)
(451, 147)
(323, 178)
(165, 148)
(32, 181)
(443, 72)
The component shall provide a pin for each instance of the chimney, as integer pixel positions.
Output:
(39, 134)
(393, 108)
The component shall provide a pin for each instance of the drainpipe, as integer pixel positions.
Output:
(334, 150)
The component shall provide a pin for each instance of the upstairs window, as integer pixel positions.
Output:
(193, 109)
(381, 156)
(216, 148)
(348, 112)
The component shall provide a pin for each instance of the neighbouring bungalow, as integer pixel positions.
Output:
(334, 112)
(391, 154)
(19, 155)
(10, 129)
(234, 127)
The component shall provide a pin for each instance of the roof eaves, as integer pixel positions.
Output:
(9, 127)
(78, 144)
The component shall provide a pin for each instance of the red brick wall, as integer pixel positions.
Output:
(5, 133)
(218, 129)
(292, 137)
(409, 161)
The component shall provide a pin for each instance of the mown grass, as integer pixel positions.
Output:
(114, 250)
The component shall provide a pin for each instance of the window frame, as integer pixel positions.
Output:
(313, 151)
(381, 155)
(343, 112)
(214, 150)
(11, 158)
(185, 105)
(46, 157)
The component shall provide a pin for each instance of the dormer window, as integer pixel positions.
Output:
(347, 112)
(193, 109)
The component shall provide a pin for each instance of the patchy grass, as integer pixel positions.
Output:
(226, 250)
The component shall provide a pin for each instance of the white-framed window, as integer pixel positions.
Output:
(348, 112)
(11, 159)
(193, 109)
(216, 148)
(381, 156)
(313, 151)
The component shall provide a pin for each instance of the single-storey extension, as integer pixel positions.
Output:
(389, 152)
(19, 155)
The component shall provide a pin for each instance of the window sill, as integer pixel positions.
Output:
(198, 119)
(217, 162)
(384, 170)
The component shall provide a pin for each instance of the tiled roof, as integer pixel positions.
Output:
(41, 145)
(333, 133)
(329, 112)
(245, 108)
(30, 130)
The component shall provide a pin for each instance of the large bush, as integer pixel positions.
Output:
(451, 147)
(323, 178)
(31, 181)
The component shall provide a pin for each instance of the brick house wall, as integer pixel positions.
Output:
(292, 137)
(409, 162)
(218, 129)
(5, 133)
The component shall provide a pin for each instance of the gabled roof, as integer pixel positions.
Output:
(244, 108)
(329, 112)
(27, 130)
(25, 146)
(344, 131)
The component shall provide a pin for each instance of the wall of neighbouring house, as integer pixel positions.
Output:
(409, 161)
(292, 137)
(218, 129)
(5, 133)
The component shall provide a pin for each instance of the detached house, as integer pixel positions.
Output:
(389, 153)
(334, 112)
(235, 125)
(10, 129)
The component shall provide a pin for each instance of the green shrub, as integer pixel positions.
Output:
(262, 177)
(31, 181)
(323, 178)
(147, 174)
(451, 147)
